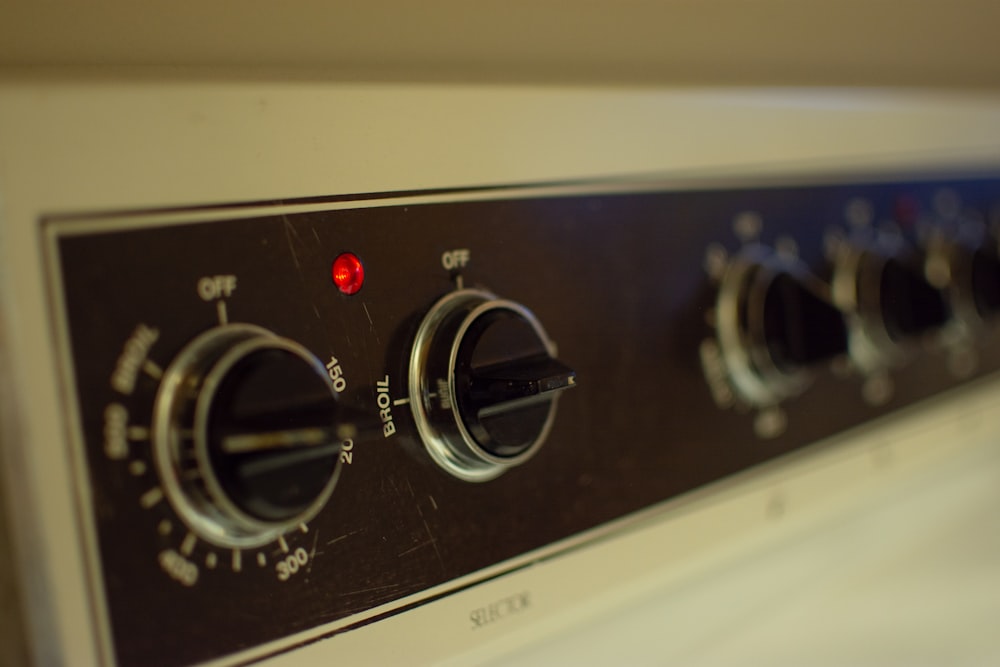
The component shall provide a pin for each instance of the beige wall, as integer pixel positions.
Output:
(837, 42)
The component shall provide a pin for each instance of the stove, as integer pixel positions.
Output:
(308, 372)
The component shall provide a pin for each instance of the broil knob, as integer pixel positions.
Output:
(483, 384)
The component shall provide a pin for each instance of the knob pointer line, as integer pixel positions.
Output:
(254, 442)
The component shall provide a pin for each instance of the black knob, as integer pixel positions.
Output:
(800, 327)
(910, 305)
(505, 381)
(885, 286)
(271, 433)
(963, 260)
(248, 435)
(775, 324)
(986, 280)
(483, 384)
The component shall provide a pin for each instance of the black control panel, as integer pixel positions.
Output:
(290, 417)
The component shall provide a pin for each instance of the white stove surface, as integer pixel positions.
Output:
(910, 576)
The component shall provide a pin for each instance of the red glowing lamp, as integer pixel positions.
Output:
(348, 273)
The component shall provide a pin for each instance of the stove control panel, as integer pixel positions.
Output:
(295, 418)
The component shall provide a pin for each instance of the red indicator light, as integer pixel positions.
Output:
(906, 211)
(348, 273)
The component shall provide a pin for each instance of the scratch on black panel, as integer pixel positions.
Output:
(371, 323)
(419, 546)
(312, 552)
(374, 589)
(363, 599)
(395, 487)
(433, 540)
(292, 236)
(343, 537)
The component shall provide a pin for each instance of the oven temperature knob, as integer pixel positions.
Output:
(247, 435)
(483, 384)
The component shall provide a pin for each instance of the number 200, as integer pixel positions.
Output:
(346, 452)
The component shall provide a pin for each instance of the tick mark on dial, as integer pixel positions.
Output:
(138, 433)
(151, 497)
(152, 370)
(187, 546)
